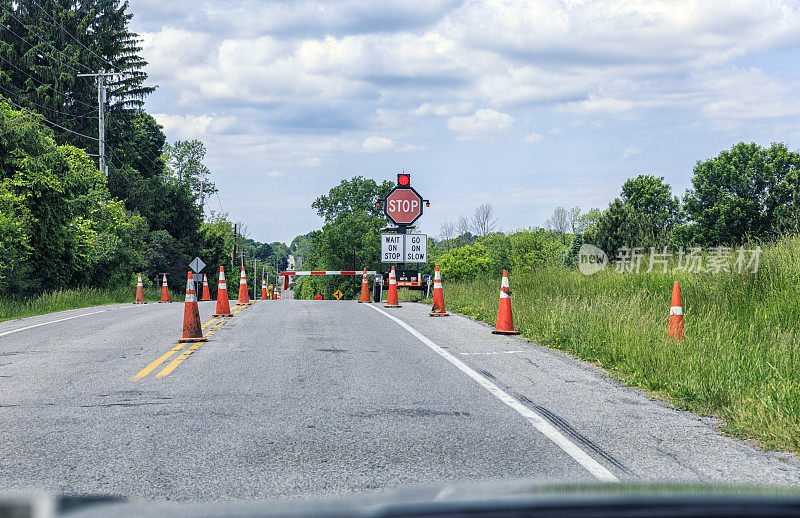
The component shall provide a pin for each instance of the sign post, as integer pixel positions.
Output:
(197, 266)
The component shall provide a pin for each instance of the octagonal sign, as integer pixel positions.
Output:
(403, 206)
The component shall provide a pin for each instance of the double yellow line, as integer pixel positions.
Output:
(217, 323)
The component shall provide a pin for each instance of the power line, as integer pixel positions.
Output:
(30, 31)
(73, 37)
(9, 93)
(45, 84)
(48, 120)
(119, 169)
(156, 167)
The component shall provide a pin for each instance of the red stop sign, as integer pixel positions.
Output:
(403, 206)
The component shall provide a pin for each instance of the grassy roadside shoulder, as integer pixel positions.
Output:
(62, 300)
(739, 362)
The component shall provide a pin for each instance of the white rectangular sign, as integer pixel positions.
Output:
(416, 249)
(404, 248)
(391, 248)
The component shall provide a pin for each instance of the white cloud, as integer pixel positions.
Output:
(182, 127)
(630, 152)
(442, 110)
(595, 105)
(372, 144)
(314, 161)
(296, 84)
(483, 122)
(274, 174)
(749, 94)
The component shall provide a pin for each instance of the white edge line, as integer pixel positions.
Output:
(538, 422)
(51, 322)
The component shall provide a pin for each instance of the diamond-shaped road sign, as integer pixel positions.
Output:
(197, 265)
(338, 294)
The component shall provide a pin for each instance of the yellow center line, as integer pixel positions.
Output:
(177, 361)
(208, 323)
(188, 352)
(216, 322)
(150, 368)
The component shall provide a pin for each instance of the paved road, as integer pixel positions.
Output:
(292, 398)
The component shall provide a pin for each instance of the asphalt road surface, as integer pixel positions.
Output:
(294, 398)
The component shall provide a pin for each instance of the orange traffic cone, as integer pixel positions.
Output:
(206, 292)
(391, 298)
(223, 305)
(364, 288)
(244, 297)
(438, 296)
(264, 294)
(505, 322)
(139, 292)
(192, 331)
(277, 292)
(675, 329)
(164, 290)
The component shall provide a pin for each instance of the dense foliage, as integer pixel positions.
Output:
(62, 223)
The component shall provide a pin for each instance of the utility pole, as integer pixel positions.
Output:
(101, 115)
(233, 252)
(202, 183)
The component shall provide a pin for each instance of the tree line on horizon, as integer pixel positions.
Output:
(747, 193)
(62, 223)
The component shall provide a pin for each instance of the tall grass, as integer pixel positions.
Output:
(61, 300)
(740, 359)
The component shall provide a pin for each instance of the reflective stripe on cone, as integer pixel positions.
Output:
(391, 299)
(505, 320)
(192, 330)
(223, 305)
(438, 309)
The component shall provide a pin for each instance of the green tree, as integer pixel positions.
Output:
(650, 196)
(356, 194)
(645, 216)
(301, 245)
(263, 252)
(619, 226)
(55, 209)
(747, 191)
(217, 238)
(45, 44)
(351, 241)
(184, 159)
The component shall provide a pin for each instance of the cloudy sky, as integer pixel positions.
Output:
(525, 105)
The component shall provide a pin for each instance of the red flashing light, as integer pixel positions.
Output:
(403, 179)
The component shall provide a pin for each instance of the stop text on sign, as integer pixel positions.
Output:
(392, 248)
(403, 206)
